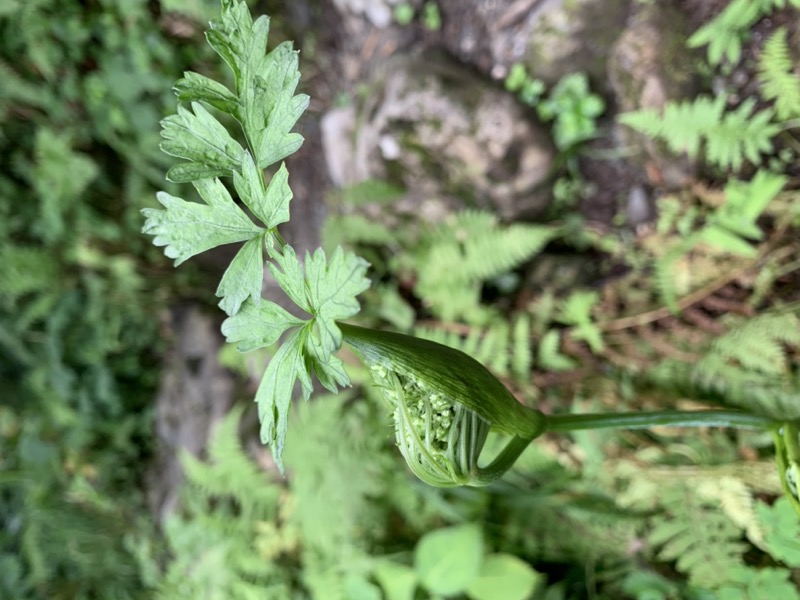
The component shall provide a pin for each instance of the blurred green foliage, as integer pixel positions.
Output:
(84, 86)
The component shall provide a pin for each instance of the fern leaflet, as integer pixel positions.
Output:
(702, 540)
(472, 248)
(728, 137)
(741, 133)
(776, 74)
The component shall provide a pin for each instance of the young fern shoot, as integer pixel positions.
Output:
(443, 402)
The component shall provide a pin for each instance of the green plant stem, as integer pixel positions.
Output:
(632, 420)
(645, 420)
(502, 462)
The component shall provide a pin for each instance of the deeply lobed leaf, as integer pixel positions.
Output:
(202, 140)
(189, 228)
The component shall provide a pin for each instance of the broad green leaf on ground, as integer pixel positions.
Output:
(325, 289)
(398, 581)
(274, 395)
(202, 140)
(243, 277)
(258, 325)
(448, 560)
(189, 228)
(269, 203)
(504, 577)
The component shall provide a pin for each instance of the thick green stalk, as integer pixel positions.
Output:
(674, 418)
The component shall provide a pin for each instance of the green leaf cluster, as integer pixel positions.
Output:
(453, 560)
(83, 89)
(570, 104)
(264, 104)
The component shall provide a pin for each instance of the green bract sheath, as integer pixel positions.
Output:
(448, 372)
(443, 403)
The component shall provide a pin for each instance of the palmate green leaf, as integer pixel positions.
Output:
(189, 228)
(258, 325)
(202, 140)
(325, 289)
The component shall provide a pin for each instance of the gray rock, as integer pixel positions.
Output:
(552, 38)
(443, 133)
(649, 66)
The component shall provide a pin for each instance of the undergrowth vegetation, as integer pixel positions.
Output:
(697, 309)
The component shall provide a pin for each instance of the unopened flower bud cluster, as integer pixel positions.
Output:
(430, 414)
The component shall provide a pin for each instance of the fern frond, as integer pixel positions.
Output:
(25, 269)
(229, 472)
(682, 126)
(337, 462)
(704, 543)
(741, 134)
(724, 34)
(776, 73)
(355, 229)
(729, 137)
(747, 367)
(758, 344)
(576, 311)
(489, 344)
(472, 248)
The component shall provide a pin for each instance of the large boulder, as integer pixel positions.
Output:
(441, 132)
(552, 38)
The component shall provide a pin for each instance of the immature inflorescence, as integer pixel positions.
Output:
(439, 437)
